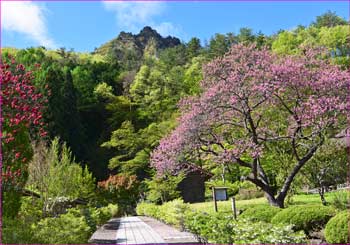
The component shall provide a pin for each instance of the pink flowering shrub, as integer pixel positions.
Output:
(21, 120)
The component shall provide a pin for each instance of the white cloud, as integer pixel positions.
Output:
(167, 29)
(26, 18)
(132, 16)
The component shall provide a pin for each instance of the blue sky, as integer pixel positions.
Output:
(86, 25)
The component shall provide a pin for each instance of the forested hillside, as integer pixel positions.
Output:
(113, 105)
(260, 114)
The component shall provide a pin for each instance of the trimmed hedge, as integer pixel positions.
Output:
(260, 213)
(220, 228)
(148, 209)
(170, 212)
(337, 228)
(305, 217)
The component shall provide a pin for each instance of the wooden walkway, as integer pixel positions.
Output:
(140, 230)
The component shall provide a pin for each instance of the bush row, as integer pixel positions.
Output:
(305, 217)
(257, 224)
(220, 228)
(172, 212)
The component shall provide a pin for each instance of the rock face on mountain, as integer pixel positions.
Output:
(128, 48)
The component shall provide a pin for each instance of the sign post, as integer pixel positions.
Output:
(214, 199)
(234, 210)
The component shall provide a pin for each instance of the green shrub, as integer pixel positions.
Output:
(170, 212)
(31, 209)
(341, 199)
(260, 213)
(197, 223)
(173, 212)
(249, 191)
(95, 216)
(16, 231)
(102, 215)
(113, 209)
(64, 229)
(337, 228)
(220, 228)
(54, 173)
(147, 209)
(163, 189)
(305, 217)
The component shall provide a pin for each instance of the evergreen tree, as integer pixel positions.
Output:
(329, 19)
(73, 130)
(193, 47)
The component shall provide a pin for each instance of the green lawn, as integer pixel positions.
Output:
(225, 206)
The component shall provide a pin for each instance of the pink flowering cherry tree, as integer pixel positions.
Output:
(21, 121)
(253, 100)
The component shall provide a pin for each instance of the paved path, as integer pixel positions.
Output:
(140, 230)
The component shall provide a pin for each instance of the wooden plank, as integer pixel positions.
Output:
(140, 230)
(168, 233)
(120, 235)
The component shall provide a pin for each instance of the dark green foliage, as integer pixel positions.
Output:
(341, 199)
(260, 213)
(219, 45)
(193, 47)
(175, 56)
(247, 192)
(326, 168)
(11, 202)
(329, 19)
(16, 231)
(246, 35)
(305, 217)
(163, 189)
(73, 132)
(338, 228)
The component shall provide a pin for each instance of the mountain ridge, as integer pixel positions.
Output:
(127, 45)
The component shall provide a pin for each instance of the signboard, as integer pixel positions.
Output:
(221, 194)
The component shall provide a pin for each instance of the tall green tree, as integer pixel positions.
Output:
(329, 19)
(193, 47)
(73, 130)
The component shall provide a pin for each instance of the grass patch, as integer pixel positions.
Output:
(300, 199)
